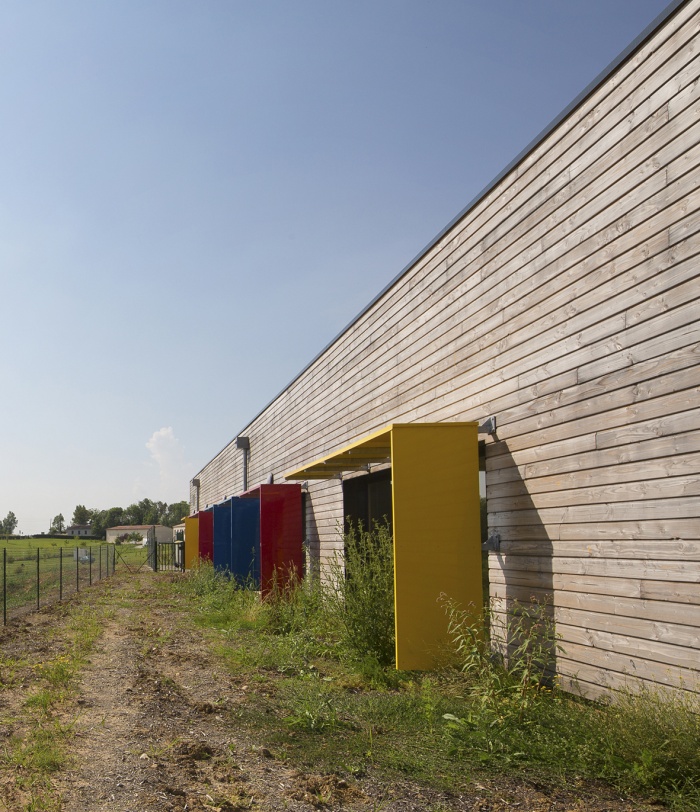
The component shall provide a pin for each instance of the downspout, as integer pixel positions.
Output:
(244, 444)
(196, 484)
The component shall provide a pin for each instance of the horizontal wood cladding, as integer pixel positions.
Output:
(600, 605)
(565, 302)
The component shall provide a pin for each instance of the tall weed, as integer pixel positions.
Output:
(362, 594)
(645, 741)
(221, 601)
(507, 656)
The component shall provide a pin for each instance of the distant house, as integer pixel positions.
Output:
(179, 532)
(163, 534)
(79, 530)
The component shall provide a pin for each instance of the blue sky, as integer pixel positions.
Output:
(196, 197)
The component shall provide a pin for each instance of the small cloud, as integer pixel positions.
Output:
(168, 454)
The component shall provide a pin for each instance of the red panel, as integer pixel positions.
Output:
(206, 535)
(280, 534)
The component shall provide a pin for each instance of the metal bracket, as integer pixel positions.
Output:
(493, 543)
(488, 426)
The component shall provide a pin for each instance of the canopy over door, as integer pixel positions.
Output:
(191, 541)
(435, 512)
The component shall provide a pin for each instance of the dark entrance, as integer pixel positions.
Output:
(367, 499)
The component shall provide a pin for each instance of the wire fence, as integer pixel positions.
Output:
(36, 577)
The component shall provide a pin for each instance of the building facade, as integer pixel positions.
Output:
(564, 303)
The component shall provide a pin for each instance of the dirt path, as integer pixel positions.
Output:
(154, 728)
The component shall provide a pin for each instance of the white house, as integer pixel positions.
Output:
(163, 534)
(79, 530)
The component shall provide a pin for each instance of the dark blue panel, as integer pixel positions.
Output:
(245, 547)
(222, 536)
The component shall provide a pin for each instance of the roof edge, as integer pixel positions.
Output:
(590, 88)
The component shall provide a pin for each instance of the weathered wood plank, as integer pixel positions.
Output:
(656, 549)
(478, 373)
(646, 569)
(620, 439)
(596, 682)
(652, 399)
(672, 591)
(586, 632)
(675, 676)
(671, 529)
(590, 624)
(667, 486)
(649, 610)
(596, 472)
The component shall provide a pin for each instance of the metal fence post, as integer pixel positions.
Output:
(77, 570)
(37, 578)
(4, 586)
(100, 554)
(60, 573)
(90, 564)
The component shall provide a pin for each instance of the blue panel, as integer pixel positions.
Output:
(222, 536)
(245, 533)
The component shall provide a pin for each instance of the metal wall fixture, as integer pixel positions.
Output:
(244, 444)
(488, 426)
(197, 483)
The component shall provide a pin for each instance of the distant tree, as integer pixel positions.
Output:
(176, 513)
(144, 512)
(58, 525)
(98, 524)
(81, 515)
(134, 513)
(8, 524)
(114, 517)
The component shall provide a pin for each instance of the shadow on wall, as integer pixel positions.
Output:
(311, 541)
(520, 565)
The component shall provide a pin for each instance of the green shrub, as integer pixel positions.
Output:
(362, 594)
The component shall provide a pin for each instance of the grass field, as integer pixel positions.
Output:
(39, 571)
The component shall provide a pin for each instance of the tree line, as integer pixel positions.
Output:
(144, 512)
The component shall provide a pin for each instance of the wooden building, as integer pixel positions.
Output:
(564, 301)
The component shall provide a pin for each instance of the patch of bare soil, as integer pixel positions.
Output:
(154, 730)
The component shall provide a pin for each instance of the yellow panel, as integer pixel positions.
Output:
(191, 541)
(437, 539)
(374, 448)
